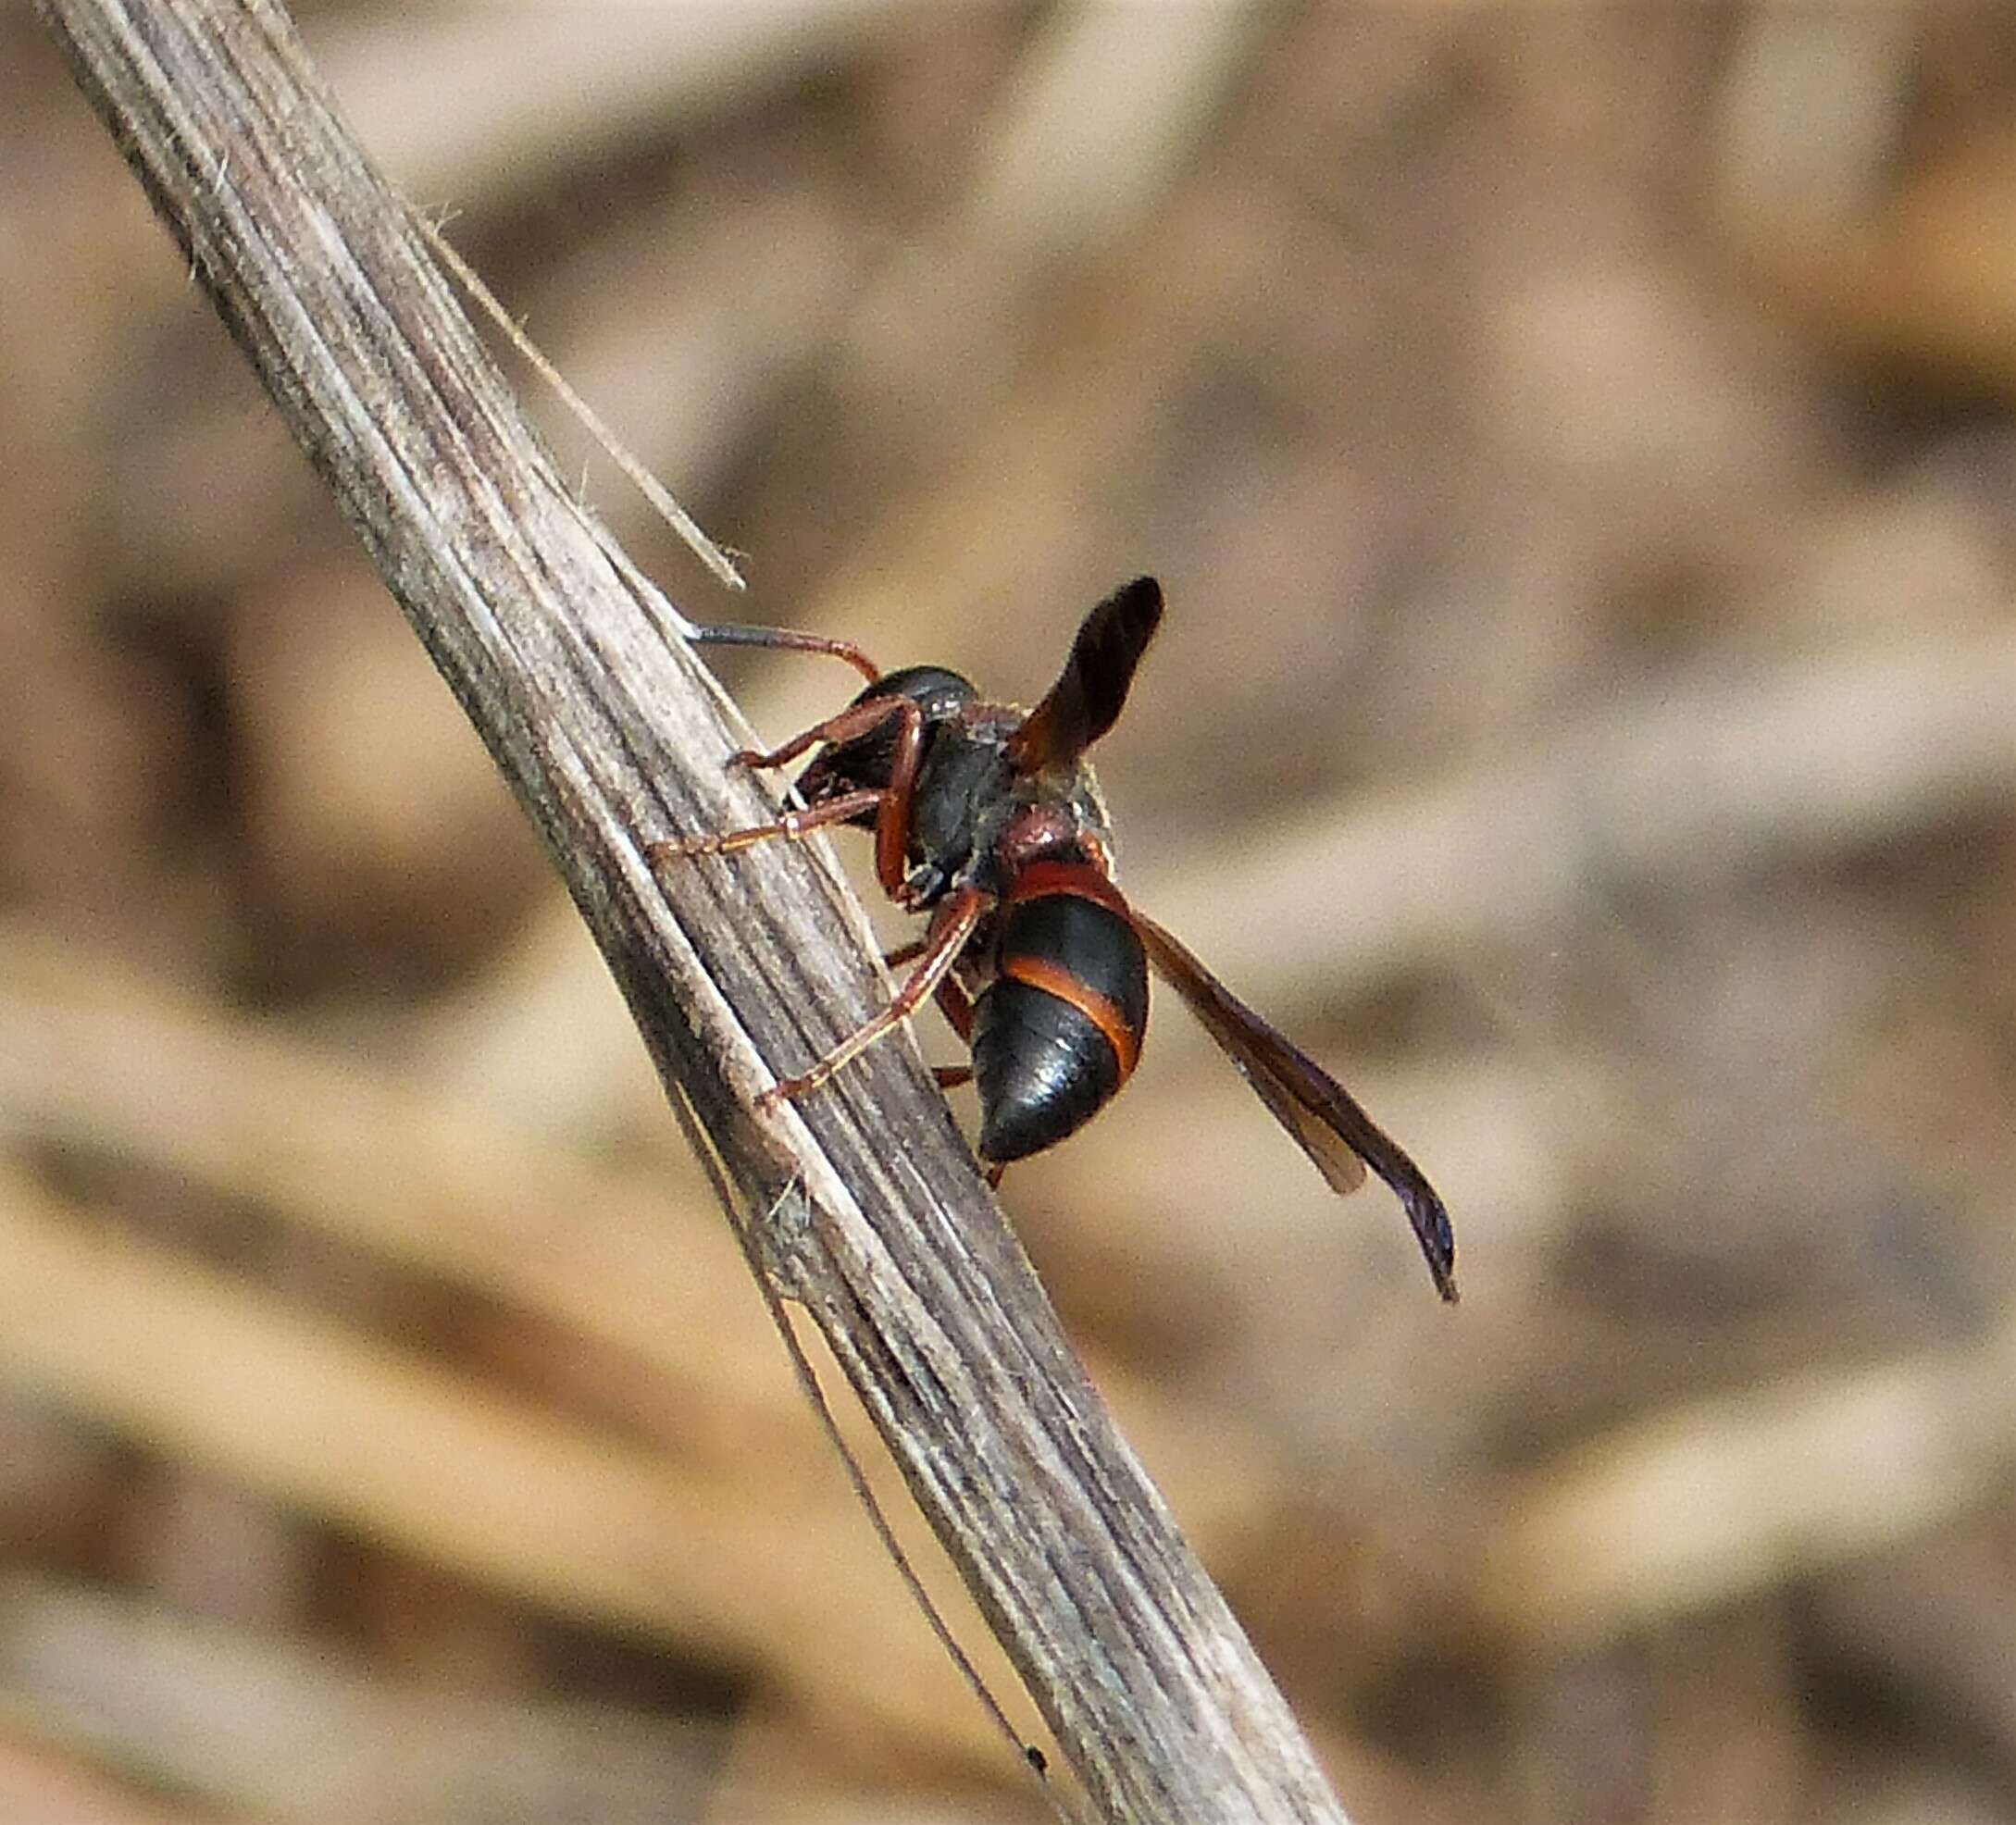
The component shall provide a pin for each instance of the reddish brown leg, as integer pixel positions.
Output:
(790, 824)
(856, 720)
(892, 823)
(952, 926)
(956, 1005)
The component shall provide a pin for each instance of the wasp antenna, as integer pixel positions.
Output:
(780, 640)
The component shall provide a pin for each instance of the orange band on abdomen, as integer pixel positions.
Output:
(1100, 1009)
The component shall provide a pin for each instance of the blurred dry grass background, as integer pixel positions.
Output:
(1577, 443)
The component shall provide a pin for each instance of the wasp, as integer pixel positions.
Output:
(987, 819)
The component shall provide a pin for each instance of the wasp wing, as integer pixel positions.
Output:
(1087, 699)
(1336, 1135)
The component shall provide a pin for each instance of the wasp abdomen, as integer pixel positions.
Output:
(1057, 1031)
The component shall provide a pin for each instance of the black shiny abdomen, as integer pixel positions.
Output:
(1042, 1069)
(1042, 1065)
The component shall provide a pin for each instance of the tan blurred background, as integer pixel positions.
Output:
(1576, 444)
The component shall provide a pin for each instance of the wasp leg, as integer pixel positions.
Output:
(893, 815)
(951, 929)
(856, 720)
(953, 1002)
(956, 1005)
(791, 824)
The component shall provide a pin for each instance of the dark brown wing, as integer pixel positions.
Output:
(1086, 700)
(1312, 1105)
